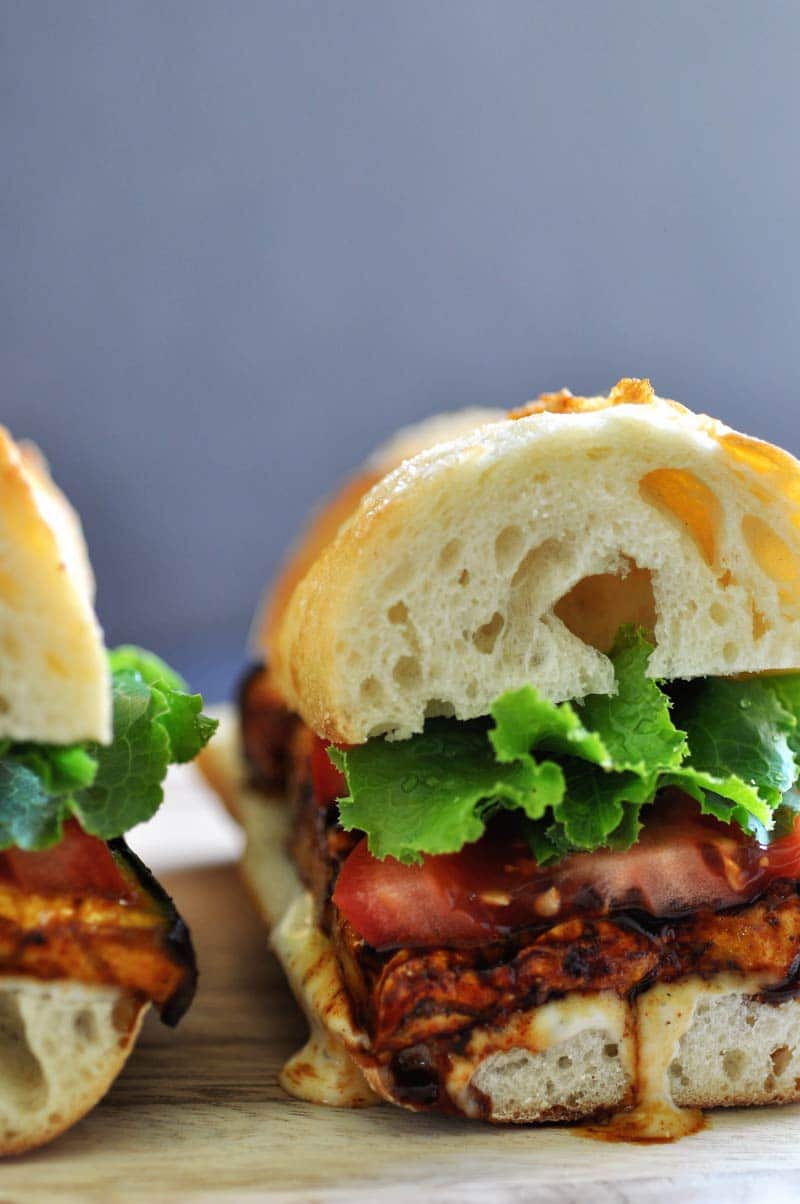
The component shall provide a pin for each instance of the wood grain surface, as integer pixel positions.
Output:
(198, 1115)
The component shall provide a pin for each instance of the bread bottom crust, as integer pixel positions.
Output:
(62, 1044)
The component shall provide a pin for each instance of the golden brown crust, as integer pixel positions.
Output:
(628, 391)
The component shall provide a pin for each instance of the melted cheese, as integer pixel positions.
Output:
(662, 1017)
(322, 1072)
(647, 1033)
(268, 872)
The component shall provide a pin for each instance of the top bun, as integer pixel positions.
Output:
(404, 444)
(513, 553)
(54, 678)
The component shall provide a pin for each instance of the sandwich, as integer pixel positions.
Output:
(518, 770)
(88, 938)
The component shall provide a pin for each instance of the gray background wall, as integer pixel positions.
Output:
(240, 242)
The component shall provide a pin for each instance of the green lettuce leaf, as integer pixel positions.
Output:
(434, 793)
(742, 729)
(580, 773)
(29, 816)
(635, 723)
(177, 711)
(107, 788)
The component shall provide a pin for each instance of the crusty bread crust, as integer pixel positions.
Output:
(54, 680)
(62, 1044)
(695, 1043)
(469, 570)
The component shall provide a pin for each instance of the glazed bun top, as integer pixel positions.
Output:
(512, 552)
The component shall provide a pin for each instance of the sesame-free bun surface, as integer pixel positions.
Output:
(325, 523)
(512, 553)
(54, 684)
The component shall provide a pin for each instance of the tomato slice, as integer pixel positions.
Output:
(683, 861)
(329, 784)
(78, 864)
(783, 854)
(389, 903)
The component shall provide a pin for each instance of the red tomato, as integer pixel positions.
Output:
(389, 903)
(783, 855)
(683, 861)
(78, 864)
(329, 784)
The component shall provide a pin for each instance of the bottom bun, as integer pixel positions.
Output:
(62, 1044)
(679, 1046)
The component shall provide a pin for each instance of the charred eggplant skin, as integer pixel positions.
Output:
(177, 939)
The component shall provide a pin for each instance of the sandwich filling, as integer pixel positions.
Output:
(643, 839)
(75, 902)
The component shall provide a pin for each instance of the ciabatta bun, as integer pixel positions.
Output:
(512, 554)
(695, 1043)
(405, 443)
(62, 1044)
(54, 678)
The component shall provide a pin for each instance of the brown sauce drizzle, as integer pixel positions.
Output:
(267, 727)
(653, 1124)
(661, 1017)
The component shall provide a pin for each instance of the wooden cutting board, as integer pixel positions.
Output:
(198, 1115)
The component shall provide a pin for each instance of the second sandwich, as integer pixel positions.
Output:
(531, 698)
